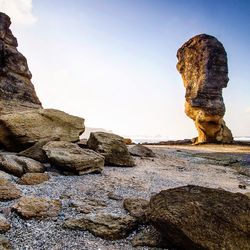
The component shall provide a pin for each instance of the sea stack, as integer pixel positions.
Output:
(202, 63)
(17, 93)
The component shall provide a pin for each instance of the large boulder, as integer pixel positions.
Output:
(112, 147)
(17, 93)
(194, 217)
(202, 62)
(70, 157)
(18, 165)
(107, 226)
(20, 130)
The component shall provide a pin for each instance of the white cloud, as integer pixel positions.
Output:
(20, 11)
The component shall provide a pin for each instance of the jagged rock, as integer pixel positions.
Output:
(21, 130)
(19, 165)
(4, 225)
(136, 207)
(141, 151)
(202, 62)
(149, 237)
(33, 178)
(8, 191)
(16, 90)
(69, 156)
(4, 242)
(36, 207)
(194, 217)
(112, 147)
(106, 226)
(36, 151)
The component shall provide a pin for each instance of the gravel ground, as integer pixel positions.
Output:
(173, 166)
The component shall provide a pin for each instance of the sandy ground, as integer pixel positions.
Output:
(173, 166)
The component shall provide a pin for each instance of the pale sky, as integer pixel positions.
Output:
(113, 62)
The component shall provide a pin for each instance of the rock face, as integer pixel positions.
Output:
(112, 147)
(104, 225)
(18, 165)
(20, 130)
(16, 90)
(202, 62)
(141, 151)
(36, 207)
(70, 157)
(8, 191)
(194, 217)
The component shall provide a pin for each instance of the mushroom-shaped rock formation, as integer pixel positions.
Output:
(17, 93)
(202, 63)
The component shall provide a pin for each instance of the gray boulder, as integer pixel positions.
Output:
(141, 151)
(70, 157)
(112, 147)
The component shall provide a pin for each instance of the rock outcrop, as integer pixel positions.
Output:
(202, 62)
(17, 93)
(194, 217)
(19, 165)
(70, 157)
(112, 147)
(20, 130)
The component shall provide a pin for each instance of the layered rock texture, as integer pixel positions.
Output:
(16, 90)
(202, 62)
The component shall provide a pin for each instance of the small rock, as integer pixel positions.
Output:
(69, 156)
(18, 165)
(242, 186)
(106, 226)
(4, 243)
(114, 196)
(4, 224)
(141, 151)
(35, 207)
(137, 207)
(112, 147)
(33, 178)
(8, 191)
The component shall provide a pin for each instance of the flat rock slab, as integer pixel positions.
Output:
(112, 147)
(141, 151)
(106, 226)
(33, 178)
(30, 207)
(69, 156)
(20, 130)
(8, 191)
(19, 165)
(194, 217)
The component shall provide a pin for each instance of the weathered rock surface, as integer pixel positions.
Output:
(6, 176)
(18, 165)
(202, 62)
(16, 90)
(136, 207)
(148, 236)
(141, 151)
(4, 225)
(106, 226)
(20, 130)
(112, 147)
(194, 217)
(36, 151)
(69, 156)
(36, 207)
(4, 243)
(33, 178)
(8, 191)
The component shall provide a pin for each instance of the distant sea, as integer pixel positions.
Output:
(156, 140)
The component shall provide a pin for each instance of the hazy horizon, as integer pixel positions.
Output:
(114, 62)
